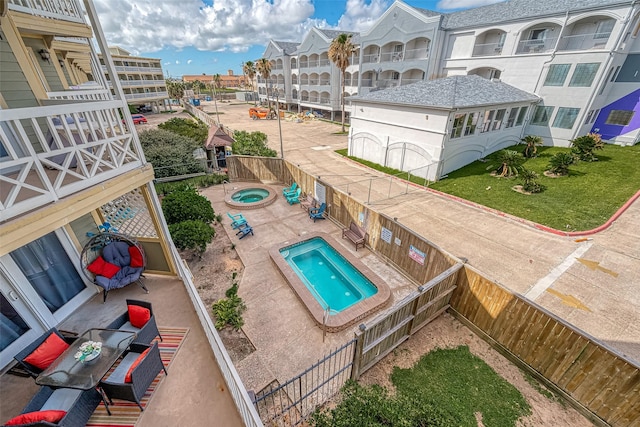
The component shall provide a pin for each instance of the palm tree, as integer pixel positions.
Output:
(217, 80)
(559, 163)
(510, 162)
(249, 68)
(339, 53)
(532, 142)
(263, 66)
(584, 146)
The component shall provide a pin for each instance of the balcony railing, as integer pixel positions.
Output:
(146, 95)
(57, 150)
(367, 82)
(79, 96)
(64, 10)
(391, 56)
(536, 45)
(487, 49)
(146, 82)
(584, 41)
(122, 68)
(371, 58)
(416, 54)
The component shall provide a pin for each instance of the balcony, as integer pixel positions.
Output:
(126, 68)
(195, 388)
(487, 49)
(63, 10)
(146, 95)
(536, 46)
(371, 58)
(57, 150)
(584, 41)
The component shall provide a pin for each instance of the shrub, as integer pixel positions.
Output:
(191, 128)
(584, 146)
(169, 153)
(510, 162)
(228, 311)
(185, 205)
(251, 144)
(559, 163)
(530, 181)
(191, 234)
(532, 142)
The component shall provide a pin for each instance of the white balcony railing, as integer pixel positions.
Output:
(416, 54)
(57, 150)
(80, 95)
(64, 10)
(536, 45)
(584, 41)
(146, 95)
(487, 49)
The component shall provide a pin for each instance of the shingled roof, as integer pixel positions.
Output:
(287, 47)
(449, 93)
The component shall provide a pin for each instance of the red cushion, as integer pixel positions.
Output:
(127, 378)
(97, 266)
(100, 267)
(47, 352)
(138, 316)
(109, 270)
(52, 416)
(136, 257)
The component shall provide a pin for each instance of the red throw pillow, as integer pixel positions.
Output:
(136, 257)
(127, 378)
(47, 352)
(138, 316)
(97, 266)
(109, 270)
(52, 416)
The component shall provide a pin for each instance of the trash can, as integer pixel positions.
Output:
(208, 98)
(195, 102)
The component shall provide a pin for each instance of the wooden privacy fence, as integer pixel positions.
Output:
(585, 371)
(407, 317)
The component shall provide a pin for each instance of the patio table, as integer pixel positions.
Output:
(68, 372)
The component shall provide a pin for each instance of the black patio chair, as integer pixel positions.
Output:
(115, 386)
(79, 405)
(147, 333)
(32, 370)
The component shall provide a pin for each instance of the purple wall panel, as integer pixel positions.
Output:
(629, 102)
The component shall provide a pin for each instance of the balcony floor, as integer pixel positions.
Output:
(193, 391)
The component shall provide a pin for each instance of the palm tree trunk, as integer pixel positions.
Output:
(342, 97)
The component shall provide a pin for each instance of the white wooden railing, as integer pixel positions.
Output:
(65, 10)
(54, 151)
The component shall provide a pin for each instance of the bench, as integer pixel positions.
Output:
(308, 203)
(356, 234)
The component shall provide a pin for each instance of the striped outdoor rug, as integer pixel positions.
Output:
(125, 413)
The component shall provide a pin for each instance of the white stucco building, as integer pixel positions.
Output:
(581, 58)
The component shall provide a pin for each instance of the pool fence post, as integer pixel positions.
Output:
(325, 317)
(369, 195)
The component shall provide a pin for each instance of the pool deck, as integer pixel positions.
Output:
(351, 315)
(286, 337)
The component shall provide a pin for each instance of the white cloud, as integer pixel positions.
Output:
(360, 16)
(228, 25)
(177, 62)
(189, 61)
(167, 63)
(464, 4)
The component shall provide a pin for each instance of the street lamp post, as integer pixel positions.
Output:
(215, 103)
(278, 115)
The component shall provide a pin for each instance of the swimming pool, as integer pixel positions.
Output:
(327, 278)
(252, 197)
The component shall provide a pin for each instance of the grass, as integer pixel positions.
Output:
(585, 199)
(461, 383)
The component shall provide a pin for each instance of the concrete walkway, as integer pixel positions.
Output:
(592, 284)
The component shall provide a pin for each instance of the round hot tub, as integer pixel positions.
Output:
(252, 197)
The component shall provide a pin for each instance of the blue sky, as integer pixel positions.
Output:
(213, 36)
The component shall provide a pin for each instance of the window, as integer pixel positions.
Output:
(584, 74)
(497, 122)
(588, 118)
(613, 77)
(619, 117)
(486, 123)
(472, 121)
(542, 115)
(521, 115)
(458, 122)
(566, 117)
(512, 117)
(557, 74)
(539, 34)
(595, 115)
(604, 29)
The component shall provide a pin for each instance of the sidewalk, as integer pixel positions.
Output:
(592, 284)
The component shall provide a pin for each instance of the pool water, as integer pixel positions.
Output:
(331, 279)
(250, 195)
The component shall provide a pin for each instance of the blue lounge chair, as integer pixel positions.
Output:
(294, 197)
(290, 190)
(317, 213)
(236, 220)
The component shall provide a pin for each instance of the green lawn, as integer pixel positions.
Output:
(585, 199)
(445, 388)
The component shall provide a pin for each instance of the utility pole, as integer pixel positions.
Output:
(279, 125)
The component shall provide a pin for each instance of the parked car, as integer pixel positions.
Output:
(145, 109)
(261, 113)
(138, 118)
